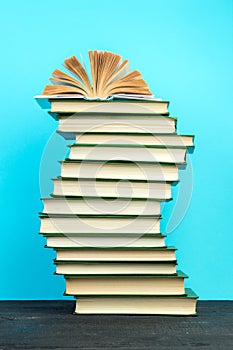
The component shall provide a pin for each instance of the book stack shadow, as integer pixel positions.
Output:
(103, 217)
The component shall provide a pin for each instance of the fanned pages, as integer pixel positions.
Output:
(109, 76)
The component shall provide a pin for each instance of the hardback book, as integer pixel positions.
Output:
(117, 253)
(92, 138)
(121, 123)
(95, 206)
(132, 153)
(99, 223)
(113, 267)
(183, 305)
(68, 240)
(112, 189)
(119, 170)
(68, 104)
(125, 284)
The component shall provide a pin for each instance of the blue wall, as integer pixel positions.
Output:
(184, 50)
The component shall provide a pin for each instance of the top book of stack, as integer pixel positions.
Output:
(112, 88)
(117, 105)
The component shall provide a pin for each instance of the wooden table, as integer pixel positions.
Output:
(50, 325)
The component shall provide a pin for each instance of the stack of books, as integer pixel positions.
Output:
(103, 217)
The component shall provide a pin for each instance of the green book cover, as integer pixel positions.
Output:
(109, 115)
(127, 162)
(125, 145)
(179, 274)
(94, 234)
(189, 293)
(112, 262)
(81, 198)
(117, 248)
(98, 216)
(112, 180)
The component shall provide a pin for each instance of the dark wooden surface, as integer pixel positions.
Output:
(51, 325)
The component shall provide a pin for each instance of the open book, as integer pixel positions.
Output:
(110, 76)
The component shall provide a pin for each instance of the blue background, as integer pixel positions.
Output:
(184, 50)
